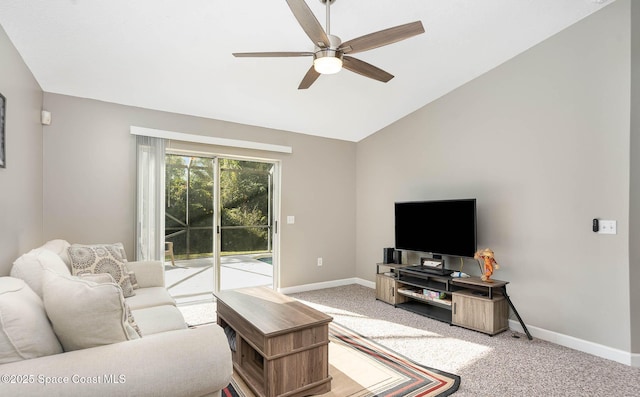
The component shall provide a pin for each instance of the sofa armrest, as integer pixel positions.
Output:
(148, 273)
(188, 362)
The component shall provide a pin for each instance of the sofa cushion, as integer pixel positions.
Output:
(149, 297)
(101, 258)
(59, 247)
(148, 273)
(30, 267)
(84, 313)
(25, 331)
(157, 319)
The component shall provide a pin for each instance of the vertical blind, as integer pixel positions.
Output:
(150, 198)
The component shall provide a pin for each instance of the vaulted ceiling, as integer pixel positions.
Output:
(175, 55)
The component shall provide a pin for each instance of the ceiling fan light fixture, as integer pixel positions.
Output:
(329, 49)
(327, 62)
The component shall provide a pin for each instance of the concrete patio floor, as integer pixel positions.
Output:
(191, 281)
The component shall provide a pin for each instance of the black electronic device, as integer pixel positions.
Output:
(430, 270)
(433, 265)
(387, 255)
(397, 257)
(596, 226)
(441, 227)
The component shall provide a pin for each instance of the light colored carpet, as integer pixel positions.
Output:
(198, 313)
(488, 366)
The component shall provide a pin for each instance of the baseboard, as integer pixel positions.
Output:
(595, 349)
(623, 357)
(366, 283)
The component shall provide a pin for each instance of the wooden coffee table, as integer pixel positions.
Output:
(282, 345)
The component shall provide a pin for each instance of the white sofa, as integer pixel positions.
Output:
(63, 335)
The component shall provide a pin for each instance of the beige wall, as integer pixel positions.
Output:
(542, 142)
(21, 180)
(89, 182)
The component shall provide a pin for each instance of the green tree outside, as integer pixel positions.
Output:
(245, 189)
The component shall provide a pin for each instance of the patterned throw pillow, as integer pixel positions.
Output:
(101, 258)
(134, 280)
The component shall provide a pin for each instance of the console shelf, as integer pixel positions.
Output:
(470, 303)
(420, 295)
(432, 311)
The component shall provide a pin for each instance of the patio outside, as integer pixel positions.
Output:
(192, 280)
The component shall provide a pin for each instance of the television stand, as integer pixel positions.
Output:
(501, 288)
(466, 302)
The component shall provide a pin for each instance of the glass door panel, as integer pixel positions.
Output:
(246, 223)
(189, 225)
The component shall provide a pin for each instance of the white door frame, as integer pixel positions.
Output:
(277, 190)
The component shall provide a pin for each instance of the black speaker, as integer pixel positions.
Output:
(397, 257)
(387, 256)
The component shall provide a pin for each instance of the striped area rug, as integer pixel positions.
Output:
(361, 367)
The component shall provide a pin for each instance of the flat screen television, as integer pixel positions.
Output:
(439, 227)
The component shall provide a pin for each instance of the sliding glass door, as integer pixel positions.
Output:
(220, 223)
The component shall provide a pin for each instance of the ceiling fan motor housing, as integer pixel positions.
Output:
(328, 60)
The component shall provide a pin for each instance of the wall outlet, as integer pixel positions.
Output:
(607, 227)
(319, 261)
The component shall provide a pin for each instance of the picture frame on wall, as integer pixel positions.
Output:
(3, 113)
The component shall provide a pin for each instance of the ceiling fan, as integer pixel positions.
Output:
(330, 52)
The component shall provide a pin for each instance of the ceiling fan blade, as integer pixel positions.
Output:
(365, 69)
(309, 78)
(272, 54)
(382, 37)
(309, 23)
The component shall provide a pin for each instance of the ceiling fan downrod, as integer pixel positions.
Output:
(328, 13)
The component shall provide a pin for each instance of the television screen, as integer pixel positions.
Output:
(445, 227)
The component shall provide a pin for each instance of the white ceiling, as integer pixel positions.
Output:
(175, 55)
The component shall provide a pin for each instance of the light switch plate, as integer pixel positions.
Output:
(291, 219)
